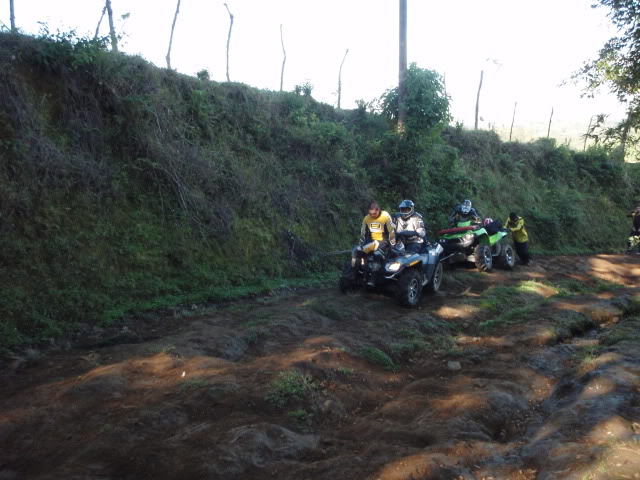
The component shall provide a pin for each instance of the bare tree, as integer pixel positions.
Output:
(12, 16)
(173, 26)
(402, 108)
(625, 133)
(284, 58)
(513, 119)
(104, 9)
(586, 135)
(229, 39)
(550, 117)
(112, 30)
(340, 78)
(478, 98)
(444, 83)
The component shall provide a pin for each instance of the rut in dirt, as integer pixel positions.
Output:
(533, 373)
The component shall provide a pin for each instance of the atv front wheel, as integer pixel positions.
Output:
(409, 288)
(434, 285)
(347, 281)
(506, 259)
(484, 260)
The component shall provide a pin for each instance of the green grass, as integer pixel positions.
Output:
(345, 371)
(322, 307)
(290, 386)
(377, 357)
(626, 330)
(193, 384)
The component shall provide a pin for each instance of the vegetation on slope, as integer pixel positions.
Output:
(125, 187)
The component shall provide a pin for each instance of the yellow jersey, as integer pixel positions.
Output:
(380, 228)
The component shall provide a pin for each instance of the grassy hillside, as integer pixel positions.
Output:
(125, 187)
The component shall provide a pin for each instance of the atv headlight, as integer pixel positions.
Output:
(353, 261)
(393, 267)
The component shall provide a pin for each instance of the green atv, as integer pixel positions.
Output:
(481, 245)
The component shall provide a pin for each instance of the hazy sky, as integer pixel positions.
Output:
(526, 48)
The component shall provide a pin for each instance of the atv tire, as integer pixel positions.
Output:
(409, 288)
(434, 285)
(507, 258)
(347, 281)
(484, 260)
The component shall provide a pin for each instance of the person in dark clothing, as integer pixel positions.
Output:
(635, 227)
(464, 213)
(515, 225)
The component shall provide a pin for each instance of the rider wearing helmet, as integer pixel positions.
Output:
(409, 221)
(464, 213)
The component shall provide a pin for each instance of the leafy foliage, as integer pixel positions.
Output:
(618, 67)
(426, 102)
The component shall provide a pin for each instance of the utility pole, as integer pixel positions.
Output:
(549, 129)
(402, 108)
(12, 16)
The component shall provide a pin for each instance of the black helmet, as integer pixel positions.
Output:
(407, 208)
(466, 206)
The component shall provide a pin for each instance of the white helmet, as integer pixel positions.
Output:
(466, 206)
(407, 208)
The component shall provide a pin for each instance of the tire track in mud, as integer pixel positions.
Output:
(526, 374)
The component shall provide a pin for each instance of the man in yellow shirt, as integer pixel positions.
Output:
(520, 236)
(377, 233)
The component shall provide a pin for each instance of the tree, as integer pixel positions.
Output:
(478, 99)
(173, 26)
(618, 67)
(112, 30)
(513, 119)
(229, 38)
(104, 9)
(340, 78)
(426, 104)
(12, 16)
(284, 58)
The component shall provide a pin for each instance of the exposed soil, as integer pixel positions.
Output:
(533, 384)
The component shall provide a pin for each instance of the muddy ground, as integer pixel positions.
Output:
(533, 373)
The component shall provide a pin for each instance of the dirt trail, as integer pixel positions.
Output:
(533, 373)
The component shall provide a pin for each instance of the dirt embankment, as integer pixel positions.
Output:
(533, 373)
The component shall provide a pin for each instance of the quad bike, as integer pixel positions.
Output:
(469, 242)
(406, 274)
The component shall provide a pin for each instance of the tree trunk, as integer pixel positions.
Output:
(402, 108)
(513, 119)
(549, 129)
(284, 58)
(104, 9)
(444, 83)
(229, 39)
(586, 135)
(625, 133)
(112, 30)
(173, 26)
(478, 99)
(340, 78)
(12, 16)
